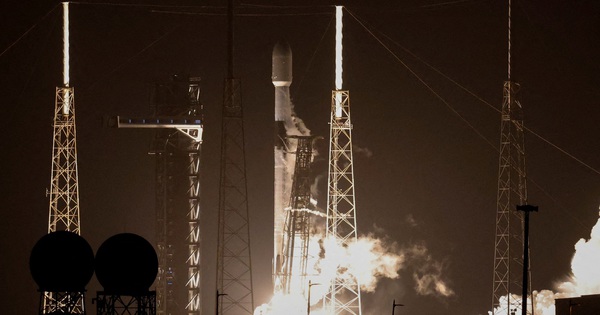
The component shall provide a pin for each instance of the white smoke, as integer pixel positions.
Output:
(428, 273)
(583, 279)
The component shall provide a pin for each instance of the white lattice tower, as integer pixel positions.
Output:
(343, 295)
(193, 239)
(64, 186)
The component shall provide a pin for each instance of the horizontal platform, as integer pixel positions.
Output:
(159, 122)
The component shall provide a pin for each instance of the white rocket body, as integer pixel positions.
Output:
(282, 79)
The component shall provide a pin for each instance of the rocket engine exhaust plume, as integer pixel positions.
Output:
(584, 277)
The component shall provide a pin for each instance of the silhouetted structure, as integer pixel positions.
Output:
(234, 264)
(177, 144)
(512, 189)
(126, 266)
(62, 264)
(583, 305)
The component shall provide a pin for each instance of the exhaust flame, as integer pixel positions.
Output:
(369, 259)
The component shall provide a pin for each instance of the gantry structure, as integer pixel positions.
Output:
(234, 294)
(296, 230)
(177, 149)
(64, 183)
(512, 190)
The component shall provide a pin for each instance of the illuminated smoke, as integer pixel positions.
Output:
(583, 279)
(428, 273)
(369, 259)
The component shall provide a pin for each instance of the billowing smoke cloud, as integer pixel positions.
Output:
(583, 279)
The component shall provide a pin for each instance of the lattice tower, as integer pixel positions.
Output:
(343, 295)
(234, 265)
(296, 234)
(234, 268)
(64, 182)
(512, 190)
(177, 143)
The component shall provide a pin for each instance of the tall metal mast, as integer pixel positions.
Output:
(64, 186)
(234, 267)
(512, 190)
(343, 295)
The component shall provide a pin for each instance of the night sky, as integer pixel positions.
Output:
(423, 175)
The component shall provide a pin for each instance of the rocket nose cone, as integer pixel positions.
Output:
(282, 50)
(282, 64)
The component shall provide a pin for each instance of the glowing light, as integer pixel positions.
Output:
(584, 278)
(66, 44)
(338, 47)
(368, 259)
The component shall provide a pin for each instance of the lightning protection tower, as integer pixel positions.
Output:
(512, 190)
(343, 295)
(296, 232)
(64, 186)
(234, 267)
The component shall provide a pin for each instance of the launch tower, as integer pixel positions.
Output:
(64, 186)
(343, 295)
(512, 190)
(177, 144)
(296, 233)
(234, 267)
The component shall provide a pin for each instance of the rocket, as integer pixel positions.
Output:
(282, 79)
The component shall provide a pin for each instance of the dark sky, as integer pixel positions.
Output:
(426, 163)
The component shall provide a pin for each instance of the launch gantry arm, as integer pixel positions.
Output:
(191, 127)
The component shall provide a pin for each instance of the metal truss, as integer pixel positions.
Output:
(296, 233)
(112, 304)
(234, 267)
(62, 303)
(343, 295)
(512, 190)
(64, 194)
(168, 149)
(64, 187)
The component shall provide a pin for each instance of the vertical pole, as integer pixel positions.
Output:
(526, 209)
(308, 299)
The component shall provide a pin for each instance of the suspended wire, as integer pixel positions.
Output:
(443, 74)
(469, 92)
(423, 82)
(133, 56)
(561, 207)
(312, 58)
(28, 30)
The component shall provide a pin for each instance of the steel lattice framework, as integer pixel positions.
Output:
(234, 267)
(343, 295)
(171, 150)
(296, 233)
(64, 183)
(512, 190)
(64, 187)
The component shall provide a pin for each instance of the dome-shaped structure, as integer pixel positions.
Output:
(126, 264)
(62, 261)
